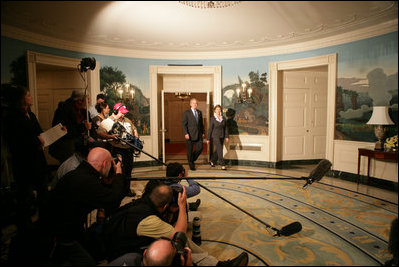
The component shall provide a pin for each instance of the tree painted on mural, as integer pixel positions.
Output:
(111, 81)
(354, 105)
(251, 118)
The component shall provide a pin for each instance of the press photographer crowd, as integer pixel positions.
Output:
(49, 208)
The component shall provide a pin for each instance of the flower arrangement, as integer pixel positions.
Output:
(391, 143)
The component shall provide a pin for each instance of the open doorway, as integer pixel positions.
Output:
(205, 80)
(175, 144)
(51, 80)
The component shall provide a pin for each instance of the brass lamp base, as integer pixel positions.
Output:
(379, 131)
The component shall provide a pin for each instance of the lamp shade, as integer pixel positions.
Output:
(380, 116)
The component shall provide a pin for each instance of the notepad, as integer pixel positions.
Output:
(53, 134)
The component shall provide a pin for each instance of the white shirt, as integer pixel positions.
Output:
(194, 111)
(109, 122)
(93, 111)
(217, 118)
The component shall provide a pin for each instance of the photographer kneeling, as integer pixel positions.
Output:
(139, 223)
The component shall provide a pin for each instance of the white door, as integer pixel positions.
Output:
(304, 100)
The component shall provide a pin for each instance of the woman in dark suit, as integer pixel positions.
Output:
(218, 131)
(29, 165)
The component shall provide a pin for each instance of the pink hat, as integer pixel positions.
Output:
(121, 107)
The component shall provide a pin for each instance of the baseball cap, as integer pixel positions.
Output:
(121, 107)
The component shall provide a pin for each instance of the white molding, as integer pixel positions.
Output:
(274, 67)
(157, 72)
(372, 31)
(34, 58)
(346, 160)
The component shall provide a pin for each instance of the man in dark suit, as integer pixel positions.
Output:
(193, 129)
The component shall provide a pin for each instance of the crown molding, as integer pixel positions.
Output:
(367, 32)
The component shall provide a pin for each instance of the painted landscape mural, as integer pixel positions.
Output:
(367, 76)
(248, 118)
(113, 84)
(356, 97)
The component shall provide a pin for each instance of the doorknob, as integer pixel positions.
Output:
(163, 130)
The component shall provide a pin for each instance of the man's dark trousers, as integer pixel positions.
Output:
(193, 155)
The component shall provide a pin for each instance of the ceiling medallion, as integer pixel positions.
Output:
(209, 4)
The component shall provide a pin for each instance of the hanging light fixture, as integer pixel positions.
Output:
(209, 4)
(182, 96)
(122, 90)
(244, 93)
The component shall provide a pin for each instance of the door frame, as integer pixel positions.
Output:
(156, 75)
(34, 58)
(275, 101)
(163, 126)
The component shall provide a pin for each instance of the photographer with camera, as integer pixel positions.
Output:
(161, 252)
(139, 223)
(126, 126)
(177, 171)
(80, 191)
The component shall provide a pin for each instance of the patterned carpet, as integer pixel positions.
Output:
(339, 226)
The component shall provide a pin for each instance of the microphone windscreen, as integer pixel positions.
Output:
(321, 169)
(291, 229)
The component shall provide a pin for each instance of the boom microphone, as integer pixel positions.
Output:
(290, 229)
(316, 174)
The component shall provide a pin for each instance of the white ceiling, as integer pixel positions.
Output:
(169, 26)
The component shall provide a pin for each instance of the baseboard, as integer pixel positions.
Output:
(375, 182)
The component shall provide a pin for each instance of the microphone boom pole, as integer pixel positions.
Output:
(135, 147)
(279, 232)
(290, 229)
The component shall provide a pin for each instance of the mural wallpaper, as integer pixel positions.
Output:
(367, 76)
(248, 116)
(113, 84)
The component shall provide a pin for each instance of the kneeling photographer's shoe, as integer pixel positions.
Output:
(241, 260)
(193, 206)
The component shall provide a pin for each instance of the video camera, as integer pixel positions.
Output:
(120, 131)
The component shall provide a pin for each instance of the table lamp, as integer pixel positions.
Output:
(379, 118)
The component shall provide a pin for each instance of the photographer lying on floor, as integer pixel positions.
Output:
(162, 252)
(177, 171)
(137, 224)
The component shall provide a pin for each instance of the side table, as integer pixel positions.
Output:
(375, 154)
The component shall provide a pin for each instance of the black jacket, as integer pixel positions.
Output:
(191, 126)
(76, 195)
(28, 160)
(217, 129)
(121, 228)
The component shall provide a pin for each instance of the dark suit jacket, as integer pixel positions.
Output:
(190, 125)
(217, 129)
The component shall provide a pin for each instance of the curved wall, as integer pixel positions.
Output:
(367, 69)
